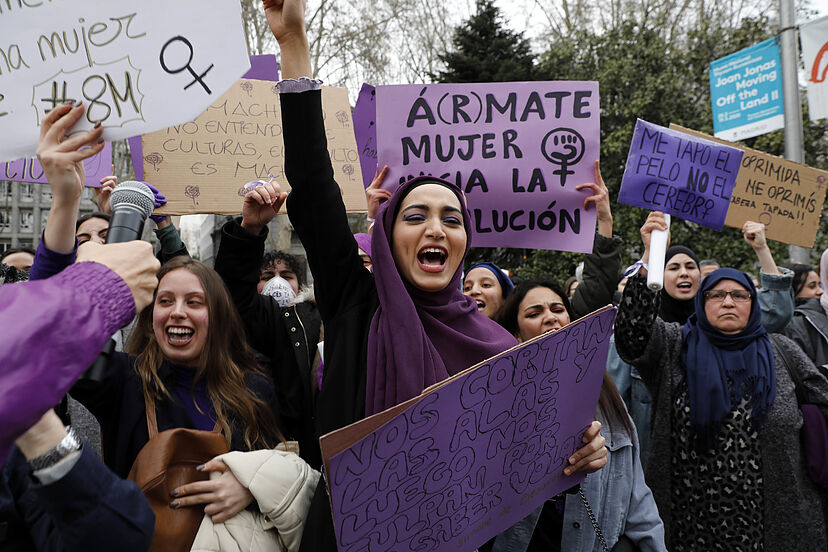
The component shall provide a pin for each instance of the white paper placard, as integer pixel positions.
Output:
(137, 66)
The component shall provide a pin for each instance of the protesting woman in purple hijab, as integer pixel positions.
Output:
(390, 334)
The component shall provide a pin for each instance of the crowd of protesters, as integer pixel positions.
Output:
(202, 431)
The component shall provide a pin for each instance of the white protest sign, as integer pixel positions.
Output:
(137, 66)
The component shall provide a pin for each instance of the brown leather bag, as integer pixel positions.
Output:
(168, 461)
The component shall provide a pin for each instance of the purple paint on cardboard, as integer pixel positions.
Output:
(263, 67)
(676, 173)
(365, 132)
(476, 455)
(517, 149)
(29, 169)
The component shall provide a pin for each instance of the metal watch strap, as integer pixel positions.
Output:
(69, 444)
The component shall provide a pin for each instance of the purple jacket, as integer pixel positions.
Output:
(52, 331)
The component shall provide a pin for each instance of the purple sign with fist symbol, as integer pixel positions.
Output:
(516, 149)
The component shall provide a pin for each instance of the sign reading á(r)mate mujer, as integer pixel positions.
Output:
(517, 150)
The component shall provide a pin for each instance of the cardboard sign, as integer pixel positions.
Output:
(365, 131)
(517, 150)
(682, 175)
(787, 197)
(137, 67)
(473, 455)
(814, 37)
(203, 165)
(29, 170)
(746, 92)
(263, 67)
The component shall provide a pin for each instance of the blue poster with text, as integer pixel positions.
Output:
(746, 92)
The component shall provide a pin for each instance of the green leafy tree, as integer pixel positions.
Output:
(641, 74)
(486, 51)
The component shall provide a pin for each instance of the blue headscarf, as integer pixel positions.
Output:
(506, 285)
(711, 357)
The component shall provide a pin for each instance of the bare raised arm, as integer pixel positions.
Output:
(287, 23)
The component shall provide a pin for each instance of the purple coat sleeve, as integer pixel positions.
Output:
(48, 263)
(52, 331)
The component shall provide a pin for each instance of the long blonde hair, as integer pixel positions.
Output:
(224, 361)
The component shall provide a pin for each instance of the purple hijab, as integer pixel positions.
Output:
(364, 242)
(419, 338)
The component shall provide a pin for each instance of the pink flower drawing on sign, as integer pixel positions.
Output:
(154, 159)
(349, 170)
(247, 87)
(192, 192)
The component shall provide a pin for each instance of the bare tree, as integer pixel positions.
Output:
(378, 41)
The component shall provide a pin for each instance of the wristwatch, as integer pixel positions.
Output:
(67, 445)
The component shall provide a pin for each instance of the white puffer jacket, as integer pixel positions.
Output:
(282, 484)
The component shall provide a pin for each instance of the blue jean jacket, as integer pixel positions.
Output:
(638, 400)
(619, 497)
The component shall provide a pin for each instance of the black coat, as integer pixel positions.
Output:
(809, 328)
(286, 336)
(345, 291)
(118, 403)
(89, 508)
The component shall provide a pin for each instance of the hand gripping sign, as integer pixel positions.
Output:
(137, 67)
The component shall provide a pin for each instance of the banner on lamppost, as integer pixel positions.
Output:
(746, 92)
(814, 37)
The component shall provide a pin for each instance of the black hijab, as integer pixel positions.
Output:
(672, 309)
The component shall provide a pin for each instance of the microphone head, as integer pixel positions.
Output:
(133, 194)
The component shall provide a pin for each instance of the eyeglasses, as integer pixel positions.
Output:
(718, 295)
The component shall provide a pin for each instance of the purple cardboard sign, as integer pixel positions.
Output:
(517, 149)
(29, 170)
(683, 175)
(476, 454)
(263, 67)
(365, 132)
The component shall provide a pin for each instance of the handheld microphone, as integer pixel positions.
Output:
(658, 250)
(132, 202)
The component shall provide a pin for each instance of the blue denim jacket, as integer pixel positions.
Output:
(619, 497)
(776, 299)
(638, 400)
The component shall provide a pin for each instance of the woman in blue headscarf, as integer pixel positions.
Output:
(489, 286)
(725, 462)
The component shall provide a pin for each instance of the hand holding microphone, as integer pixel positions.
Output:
(132, 202)
(133, 261)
